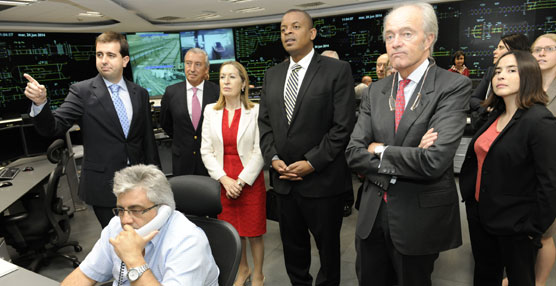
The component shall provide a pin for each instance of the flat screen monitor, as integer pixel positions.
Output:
(218, 43)
(155, 60)
(35, 144)
(56, 60)
(11, 145)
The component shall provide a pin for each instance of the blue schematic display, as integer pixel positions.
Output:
(472, 26)
(55, 60)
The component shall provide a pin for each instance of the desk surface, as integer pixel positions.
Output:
(24, 277)
(25, 181)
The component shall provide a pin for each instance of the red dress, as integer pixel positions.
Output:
(248, 212)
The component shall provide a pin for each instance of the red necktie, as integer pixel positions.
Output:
(400, 101)
(195, 109)
(400, 107)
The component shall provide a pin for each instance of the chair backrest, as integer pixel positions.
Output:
(55, 211)
(198, 197)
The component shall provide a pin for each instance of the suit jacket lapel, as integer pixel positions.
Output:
(187, 120)
(283, 72)
(135, 103)
(217, 125)
(513, 120)
(409, 116)
(244, 120)
(103, 95)
(309, 75)
(388, 116)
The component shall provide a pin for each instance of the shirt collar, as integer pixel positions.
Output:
(418, 73)
(304, 62)
(121, 83)
(190, 86)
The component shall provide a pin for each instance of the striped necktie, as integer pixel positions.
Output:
(291, 92)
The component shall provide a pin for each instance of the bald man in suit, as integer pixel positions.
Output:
(306, 114)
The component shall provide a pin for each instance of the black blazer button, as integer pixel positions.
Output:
(379, 193)
(195, 137)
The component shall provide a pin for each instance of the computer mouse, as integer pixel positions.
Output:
(27, 169)
(5, 184)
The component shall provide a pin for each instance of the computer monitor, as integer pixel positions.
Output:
(35, 144)
(11, 145)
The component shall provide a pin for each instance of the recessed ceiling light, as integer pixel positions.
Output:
(18, 3)
(249, 10)
(236, 1)
(90, 14)
(207, 16)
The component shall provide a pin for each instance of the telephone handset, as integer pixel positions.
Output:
(163, 214)
(157, 222)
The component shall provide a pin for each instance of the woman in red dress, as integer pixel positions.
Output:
(230, 151)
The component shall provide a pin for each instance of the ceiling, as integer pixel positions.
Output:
(166, 15)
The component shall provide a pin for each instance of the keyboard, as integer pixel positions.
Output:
(8, 173)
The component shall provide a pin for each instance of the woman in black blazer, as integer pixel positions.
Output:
(508, 178)
(509, 42)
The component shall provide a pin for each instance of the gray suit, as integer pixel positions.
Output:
(422, 209)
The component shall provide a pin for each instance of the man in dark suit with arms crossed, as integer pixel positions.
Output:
(178, 113)
(116, 124)
(306, 115)
(409, 127)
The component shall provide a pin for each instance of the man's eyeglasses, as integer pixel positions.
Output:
(547, 49)
(136, 212)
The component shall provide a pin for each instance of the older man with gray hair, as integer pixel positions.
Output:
(181, 113)
(404, 142)
(171, 251)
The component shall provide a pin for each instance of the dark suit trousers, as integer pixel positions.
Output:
(379, 263)
(104, 215)
(493, 253)
(323, 218)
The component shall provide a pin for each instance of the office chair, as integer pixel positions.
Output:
(199, 197)
(43, 228)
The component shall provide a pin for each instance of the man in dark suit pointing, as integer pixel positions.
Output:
(306, 115)
(409, 127)
(115, 118)
(181, 113)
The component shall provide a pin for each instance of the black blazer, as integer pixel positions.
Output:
(106, 150)
(480, 91)
(175, 120)
(518, 181)
(322, 120)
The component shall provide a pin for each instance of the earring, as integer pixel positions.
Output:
(243, 89)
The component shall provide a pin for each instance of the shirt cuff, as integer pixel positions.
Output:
(36, 109)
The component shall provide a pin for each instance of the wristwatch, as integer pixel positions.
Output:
(240, 183)
(134, 273)
(379, 149)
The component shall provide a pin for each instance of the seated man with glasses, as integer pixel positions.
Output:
(174, 252)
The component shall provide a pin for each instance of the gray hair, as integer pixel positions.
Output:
(331, 54)
(147, 177)
(199, 51)
(360, 90)
(430, 22)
